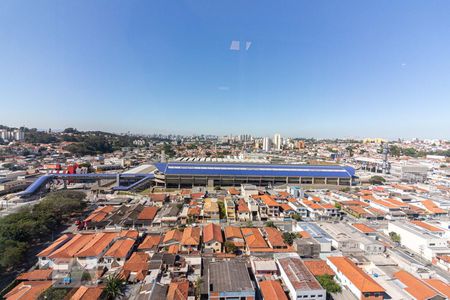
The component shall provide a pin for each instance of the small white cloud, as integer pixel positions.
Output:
(403, 65)
(235, 46)
(247, 45)
(223, 88)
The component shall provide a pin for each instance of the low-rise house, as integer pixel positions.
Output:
(254, 241)
(272, 289)
(233, 234)
(136, 267)
(151, 243)
(318, 267)
(87, 293)
(190, 241)
(146, 216)
(229, 280)
(298, 279)
(243, 212)
(355, 279)
(172, 237)
(417, 288)
(211, 211)
(91, 254)
(28, 290)
(212, 237)
(119, 252)
(275, 239)
(178, 290)
(230, 209)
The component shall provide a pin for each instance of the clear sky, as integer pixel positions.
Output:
(313, 68)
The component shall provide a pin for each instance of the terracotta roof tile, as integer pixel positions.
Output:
(191, 236)
(414, 286)
(318, 267)
(148, 213)
(355, 274)
(87, 293)
(150, 242)
(212, 232)
(120, 248)
(272, 289)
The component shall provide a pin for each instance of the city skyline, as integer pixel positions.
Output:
(324, 70)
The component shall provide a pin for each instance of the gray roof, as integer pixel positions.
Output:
(229, 276)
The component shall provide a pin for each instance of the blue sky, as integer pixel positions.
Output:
(314, 68)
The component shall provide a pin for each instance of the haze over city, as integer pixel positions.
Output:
(313, 69)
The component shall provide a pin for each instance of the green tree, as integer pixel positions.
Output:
(395, 237)
(114, 286)
(377, 180)
(230, 247)
(54, 294)
(296, 217)
(328, 283)
(270, 224)
(198, 287)
(289, 237)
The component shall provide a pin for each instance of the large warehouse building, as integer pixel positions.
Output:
(179, 174)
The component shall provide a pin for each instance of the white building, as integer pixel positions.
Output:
(348, 274)
(420, 240)
(266, 144)
(277, 141)
(298, 279)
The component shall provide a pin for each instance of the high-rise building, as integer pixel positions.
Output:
(266, 144)
(277, 141)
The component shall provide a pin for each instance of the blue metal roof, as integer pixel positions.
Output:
(176, 168)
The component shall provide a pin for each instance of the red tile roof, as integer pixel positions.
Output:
(97, 244)
(233, 232)
(150, 241)
(191, 236)
(173, 235)
(363, 228)
(427, 226)
(212, 232)
(356, 275)
(148, 213)
(439, 286)
(253, 238)
(272, 289)
(44, 274)
(55, 245)
(318, 267)
(28, 290)
(178, 290)
(120, 248)
(275, 237)
(414, 286)
(433, 207)
(87, 293)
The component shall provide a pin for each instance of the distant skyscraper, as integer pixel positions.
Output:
(277, 141)
(266, 144)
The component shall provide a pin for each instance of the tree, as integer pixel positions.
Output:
(230, 247)
(54, 294)
(377, 180)
(395, 237)
(198, 284)
(289, 237)
(328, 283)
(270, 224)
(296, 217)
(114, 286)
(222, 210)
